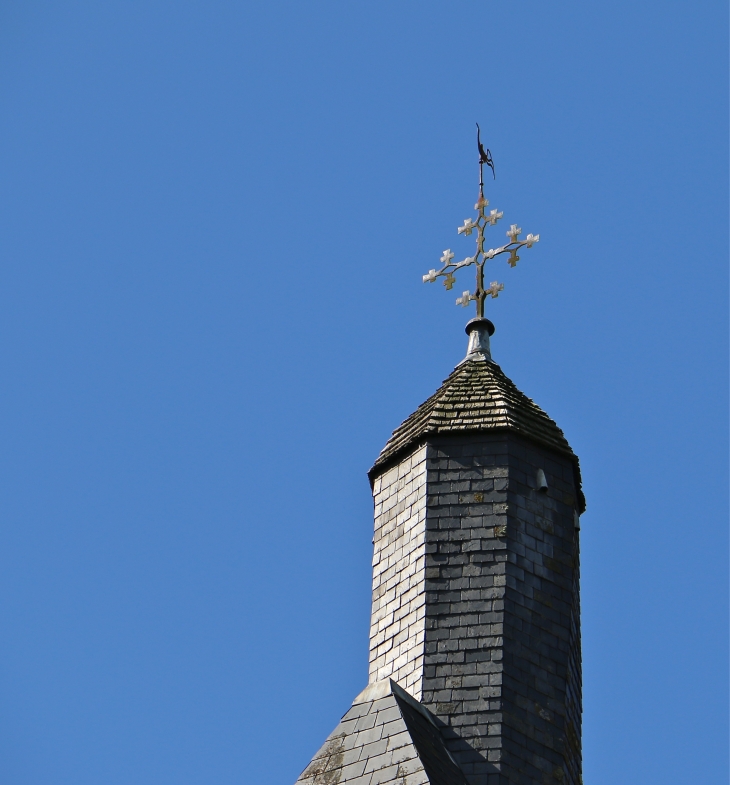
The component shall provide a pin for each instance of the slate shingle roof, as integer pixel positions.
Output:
(386, 738)
(477, 396)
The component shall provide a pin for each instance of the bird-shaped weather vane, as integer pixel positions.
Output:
(483, 219)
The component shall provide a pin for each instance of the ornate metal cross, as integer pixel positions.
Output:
(483, 219)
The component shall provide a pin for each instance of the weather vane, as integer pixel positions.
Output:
(449, 267)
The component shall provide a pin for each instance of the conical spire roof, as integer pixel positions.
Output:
(477, 396)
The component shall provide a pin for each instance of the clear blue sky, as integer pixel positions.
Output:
(215, 217)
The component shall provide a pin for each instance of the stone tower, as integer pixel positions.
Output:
(475, 666)
(475, 662)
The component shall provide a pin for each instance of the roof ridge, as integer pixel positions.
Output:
(416, 749)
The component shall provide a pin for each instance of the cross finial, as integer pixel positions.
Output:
(483, 219)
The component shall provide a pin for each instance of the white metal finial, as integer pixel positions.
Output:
(483, 219)
(467, 228)
(495, 288)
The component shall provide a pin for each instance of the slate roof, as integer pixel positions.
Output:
(477, 396)
(386, 738)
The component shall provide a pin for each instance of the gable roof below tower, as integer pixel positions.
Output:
(386, 738)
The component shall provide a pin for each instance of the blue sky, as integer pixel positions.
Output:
(214, 220)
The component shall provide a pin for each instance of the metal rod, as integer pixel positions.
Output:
(480, 290)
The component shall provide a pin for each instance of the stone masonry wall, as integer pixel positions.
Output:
(397, 628)
(542, 686)
(466, 582)
(502, 644)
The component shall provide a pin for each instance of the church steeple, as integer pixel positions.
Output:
(475, 667)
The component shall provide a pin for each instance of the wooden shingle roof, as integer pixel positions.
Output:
(477, 396)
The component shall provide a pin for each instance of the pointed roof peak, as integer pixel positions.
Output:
(476, 397)
(389, 736)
